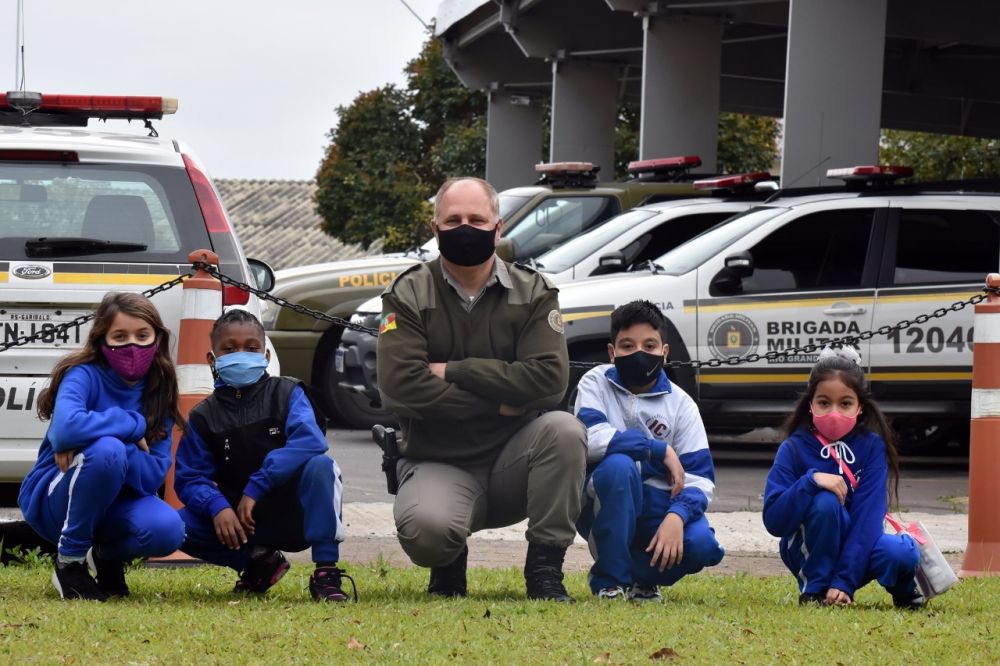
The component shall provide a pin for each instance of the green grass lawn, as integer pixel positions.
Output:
(189, 616)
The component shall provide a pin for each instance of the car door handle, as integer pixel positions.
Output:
(843, 311)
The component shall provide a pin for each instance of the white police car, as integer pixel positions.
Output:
(809, 266)
(85, 212)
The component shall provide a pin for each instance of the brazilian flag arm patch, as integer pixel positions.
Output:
(388, 323)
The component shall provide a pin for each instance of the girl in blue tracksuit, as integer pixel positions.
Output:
(832, 536)
(92, 490)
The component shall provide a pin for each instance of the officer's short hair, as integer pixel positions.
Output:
(637, 312)
(489, 189)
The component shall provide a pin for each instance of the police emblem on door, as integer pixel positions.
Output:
(733, 335)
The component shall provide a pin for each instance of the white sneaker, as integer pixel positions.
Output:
(639, 592)
(614, 592)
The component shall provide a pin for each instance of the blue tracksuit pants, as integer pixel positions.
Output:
(812, 552)
(89, 505)
(307, 516)
(620, 515)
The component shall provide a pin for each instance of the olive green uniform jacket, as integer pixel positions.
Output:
(508, 349)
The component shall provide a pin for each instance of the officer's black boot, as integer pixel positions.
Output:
(543, 574)
(449, 580)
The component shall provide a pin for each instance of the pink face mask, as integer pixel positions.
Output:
(130, 361)
(835, 425)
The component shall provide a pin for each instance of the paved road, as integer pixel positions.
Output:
(741, 469)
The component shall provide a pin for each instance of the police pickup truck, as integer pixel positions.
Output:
(807, 267)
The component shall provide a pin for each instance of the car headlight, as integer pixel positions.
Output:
(269, 314)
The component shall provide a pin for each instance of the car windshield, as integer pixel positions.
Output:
(556, 220)
(698, 250)
(577, 249)
(100, 212)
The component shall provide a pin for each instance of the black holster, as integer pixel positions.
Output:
(386, 440)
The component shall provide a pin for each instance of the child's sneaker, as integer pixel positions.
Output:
(613, 592)
(262, 572)
(325, 584)
(641, 593)
(110, 574)
(914, 601)
(73, 581)
(807, 598)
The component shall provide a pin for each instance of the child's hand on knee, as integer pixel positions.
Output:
(228, 529)
(244, 511)
(64, 459)
(667, 545)
(832, 482)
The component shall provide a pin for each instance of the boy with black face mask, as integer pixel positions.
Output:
(650, 475)
(253, 473)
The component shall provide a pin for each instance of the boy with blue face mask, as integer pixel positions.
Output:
(253, 473)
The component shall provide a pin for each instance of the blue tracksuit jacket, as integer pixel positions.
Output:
(790, 489)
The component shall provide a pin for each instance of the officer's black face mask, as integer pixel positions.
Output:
(465, 245)
(638, 368)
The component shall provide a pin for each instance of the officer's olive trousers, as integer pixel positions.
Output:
(538, 475)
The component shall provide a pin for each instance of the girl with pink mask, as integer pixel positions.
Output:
(829, 487)
(93, 488)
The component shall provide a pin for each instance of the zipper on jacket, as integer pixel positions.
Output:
(225, 450)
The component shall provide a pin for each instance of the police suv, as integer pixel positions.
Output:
(628, 240)
(807, 267)
(85, 212)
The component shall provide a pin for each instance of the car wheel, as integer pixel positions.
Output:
(591, 355)
(349, 409)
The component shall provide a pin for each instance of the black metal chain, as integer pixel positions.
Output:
(710, 363)
(83, 319)
(283, 302)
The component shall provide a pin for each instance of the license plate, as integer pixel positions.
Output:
(18, 323)
(338, 360)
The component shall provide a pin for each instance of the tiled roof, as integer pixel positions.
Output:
(276, 222)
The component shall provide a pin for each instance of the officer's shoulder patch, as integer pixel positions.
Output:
(556, 321)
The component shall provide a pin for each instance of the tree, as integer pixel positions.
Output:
(941, 156)
(367, 183)
(391, 149)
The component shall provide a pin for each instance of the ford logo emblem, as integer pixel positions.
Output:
(31, 271)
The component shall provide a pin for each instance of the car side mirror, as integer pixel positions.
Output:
(612, 262)
(262, 274)
(740, 264)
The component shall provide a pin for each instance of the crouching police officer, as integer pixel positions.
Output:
(470, 350)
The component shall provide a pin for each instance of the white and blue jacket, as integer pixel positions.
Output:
(641, 426)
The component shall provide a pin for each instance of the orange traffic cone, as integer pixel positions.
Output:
(982, 553)
(201, 305)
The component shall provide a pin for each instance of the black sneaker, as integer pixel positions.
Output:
(262, 572)
(110, 574)
(543, 574)
(325, 584)
(73, 581)
(807, 598)
(449, 580)
(913, 601)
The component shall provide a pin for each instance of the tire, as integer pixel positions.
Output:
(590, 355)
(346, 408)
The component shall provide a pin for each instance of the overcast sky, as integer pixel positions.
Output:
(257, 81)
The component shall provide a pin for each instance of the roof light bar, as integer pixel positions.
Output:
(551, 168)
(731, 181)
(94, 106)
(664, 164)
(871, 172)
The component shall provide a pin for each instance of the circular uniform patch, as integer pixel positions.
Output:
(556, 321)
